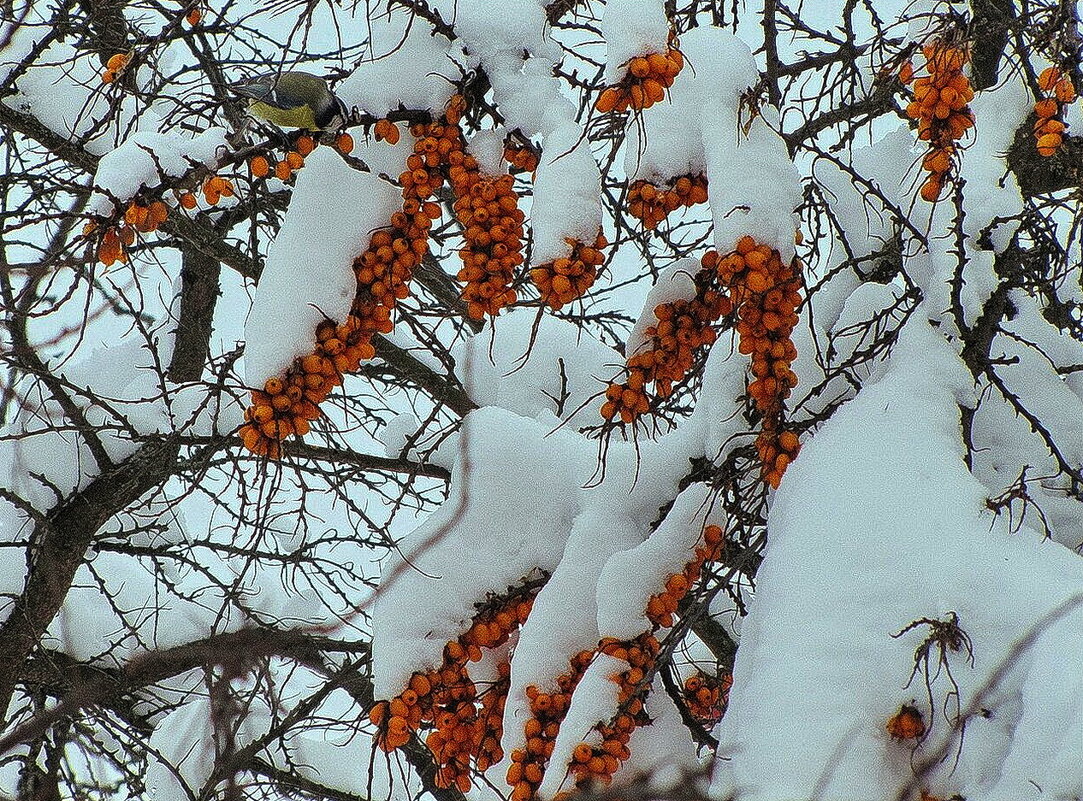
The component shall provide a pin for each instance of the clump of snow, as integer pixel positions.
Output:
(308, 276)
(518, 26)
(536, 366)
(514, 495)
(567, 195)
(632, 28)
(408, 66)
(632, 576)
(528, 94)
(877, 489)
(145, 159)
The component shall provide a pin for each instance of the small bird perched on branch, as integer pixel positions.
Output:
(293, 99)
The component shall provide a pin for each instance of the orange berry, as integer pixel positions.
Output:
(194, 16)
(283, 171)
(259, 167)
(118, 61)
(1048, 78)
(344, 143)
(304, 145)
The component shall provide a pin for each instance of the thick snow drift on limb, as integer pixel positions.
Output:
(145, 159)
(567, 203)
(514, 494)
(631, 577)
(880, 523)
(632, 28)
(407, 66)
(515, 26)
(753, 185)
(555, 375)
(309, 275)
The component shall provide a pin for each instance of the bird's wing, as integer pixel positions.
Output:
(259, 88)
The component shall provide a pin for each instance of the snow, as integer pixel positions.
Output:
(567, 195)
(832, 666)
(675, 283)
(308, 275)
(407, 66)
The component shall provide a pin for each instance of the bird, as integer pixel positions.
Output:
(293, 99)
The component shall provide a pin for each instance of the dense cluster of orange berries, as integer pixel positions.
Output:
(706, 696)
(567, 279)
(117, 63)
(682, 327)
(766, 294)
(286, 405)
(906, 724)
(941, 108)
(522, 157)
(547, 713)
(467, 724)
(488, 208)
(645, 83)
(663, 605)
(1049, 128)
(651, 204)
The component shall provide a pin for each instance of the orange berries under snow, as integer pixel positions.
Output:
(1049, 127)
(941, 108)
(706, 696)
(663, 605)
(488, 208)
(466, 720)
(645, 82)
(652, 204)
(682, 328)
(522, 157)
(566, 279)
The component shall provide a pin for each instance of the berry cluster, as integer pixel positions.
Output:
(547, 712)
(645, 83)
(598, 763)
(117, 63)
(906, 724)
(522, 156)
(215, 188)
(766, 294)
(682, 327)
(566, 279)
(488, 209)
(467, 723)
(941, 108)
(651, 204)
(706, 696)
(138, 217)
(663, 605)
(1049, 128)
(286, 405)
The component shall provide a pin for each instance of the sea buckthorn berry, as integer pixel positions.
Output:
(906, 724)
(1049, 127)
(259, 167)
(283, 170)
(304, 145)
(344, 143)
(117, 62)
(194, 16)
(295, 160)
(187, 200)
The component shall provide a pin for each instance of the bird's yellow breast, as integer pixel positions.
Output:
(300, 117)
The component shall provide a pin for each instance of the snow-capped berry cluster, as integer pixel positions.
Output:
(941, 108)
(706, 696)
(682, 327)
(383, 272)
(645, 83)
(466, 723)
(1049, 128)
(765, 294)
(662, 606)
(566, 279)
(651, 204)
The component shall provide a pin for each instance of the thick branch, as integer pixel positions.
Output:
(198, 298)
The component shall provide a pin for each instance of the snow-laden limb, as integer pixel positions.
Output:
(876, 491)
(147, 159)
(675, 283)
(567, 205)
(308, 276)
